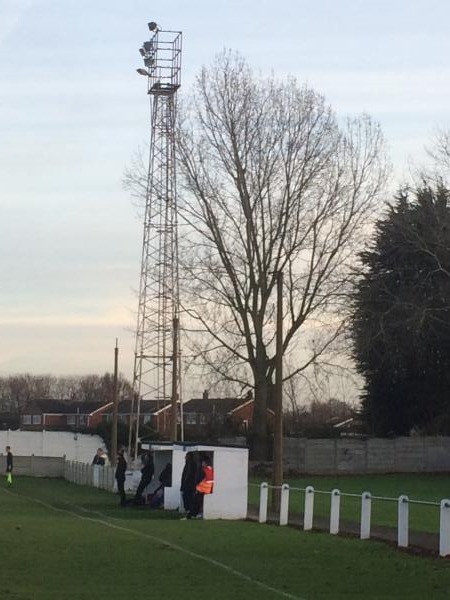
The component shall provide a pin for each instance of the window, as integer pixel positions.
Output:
(70, 419)
(191, 418)
(82, 419)
(37, 419)
(202, 419)
(26, 419)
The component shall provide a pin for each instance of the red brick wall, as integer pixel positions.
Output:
(51, 421)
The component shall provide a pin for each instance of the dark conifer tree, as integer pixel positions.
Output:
(401, 318)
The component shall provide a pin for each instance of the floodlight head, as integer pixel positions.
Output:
(142, 51)
(143, 72)
(152, 26)
(148, 46)
(149, 62)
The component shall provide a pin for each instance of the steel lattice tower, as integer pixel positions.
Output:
(156, 366)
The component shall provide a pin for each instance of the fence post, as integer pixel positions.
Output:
(444, 528)
(96, 475)
(366, 513)
(403, 521)
(263, 498)
(309, 508)
(284, 504)
(112, 479)
(334, 511)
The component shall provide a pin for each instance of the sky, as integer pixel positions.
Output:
(73, 112)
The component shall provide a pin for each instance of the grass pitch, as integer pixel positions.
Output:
(60, 541)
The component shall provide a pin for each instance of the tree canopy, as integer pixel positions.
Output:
(271, 182)
(401, 321)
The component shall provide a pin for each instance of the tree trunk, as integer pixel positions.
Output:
(260, 441)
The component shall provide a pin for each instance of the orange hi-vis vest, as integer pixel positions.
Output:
(206, 484)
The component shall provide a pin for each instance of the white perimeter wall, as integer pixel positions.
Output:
(79, 447)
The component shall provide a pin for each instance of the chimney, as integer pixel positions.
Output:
(205, 395)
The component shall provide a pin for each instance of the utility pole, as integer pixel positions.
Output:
(277, 470)
(174, 410)
(115, 407)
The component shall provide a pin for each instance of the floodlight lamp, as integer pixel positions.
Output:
(143, 72)
(142, 51)
(149, 46)
(152, 26)
(149, 62)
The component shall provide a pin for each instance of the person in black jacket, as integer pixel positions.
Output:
(9, 465)
(188, 481)
(146, 476)
(120, 476)
(99, 458)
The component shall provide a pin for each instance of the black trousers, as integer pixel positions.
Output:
(197, 504)
(121, 490)
(188, 495)
(145, 480)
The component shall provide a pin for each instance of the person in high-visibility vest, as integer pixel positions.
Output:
(205, 486)
(9, 465)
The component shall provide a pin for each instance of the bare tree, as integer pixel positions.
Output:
(440, 150)
(271, 183)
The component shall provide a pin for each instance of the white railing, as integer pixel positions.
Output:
(366, 498)
(93, 475)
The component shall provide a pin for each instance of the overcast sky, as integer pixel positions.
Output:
(73, 111)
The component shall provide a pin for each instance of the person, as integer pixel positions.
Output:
(188, 481)
(165, 480)
(165, 477)
(120, 476)
(9, 465)
(99, 458)
(146, 476)
(205, 486)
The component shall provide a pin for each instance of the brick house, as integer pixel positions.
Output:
(225, 415)
(152, 412)
(38, 415)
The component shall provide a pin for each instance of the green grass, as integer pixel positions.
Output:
(56, 546)
(431, 488)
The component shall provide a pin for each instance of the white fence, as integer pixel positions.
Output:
(92, 475)
(102, 477)
(403, 504)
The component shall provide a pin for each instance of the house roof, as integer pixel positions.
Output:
(213, 405)
(61, 407)
(147, 407)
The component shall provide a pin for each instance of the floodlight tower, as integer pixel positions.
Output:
(156, 365)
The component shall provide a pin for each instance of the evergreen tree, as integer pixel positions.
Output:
(401, 318)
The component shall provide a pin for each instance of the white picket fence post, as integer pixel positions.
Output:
(403, 522)
(366, 514)
(335, 511)
(110, 479)
(444, 528)
(309, 508)
(263, 499)
(284, 504)
(96, 475)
